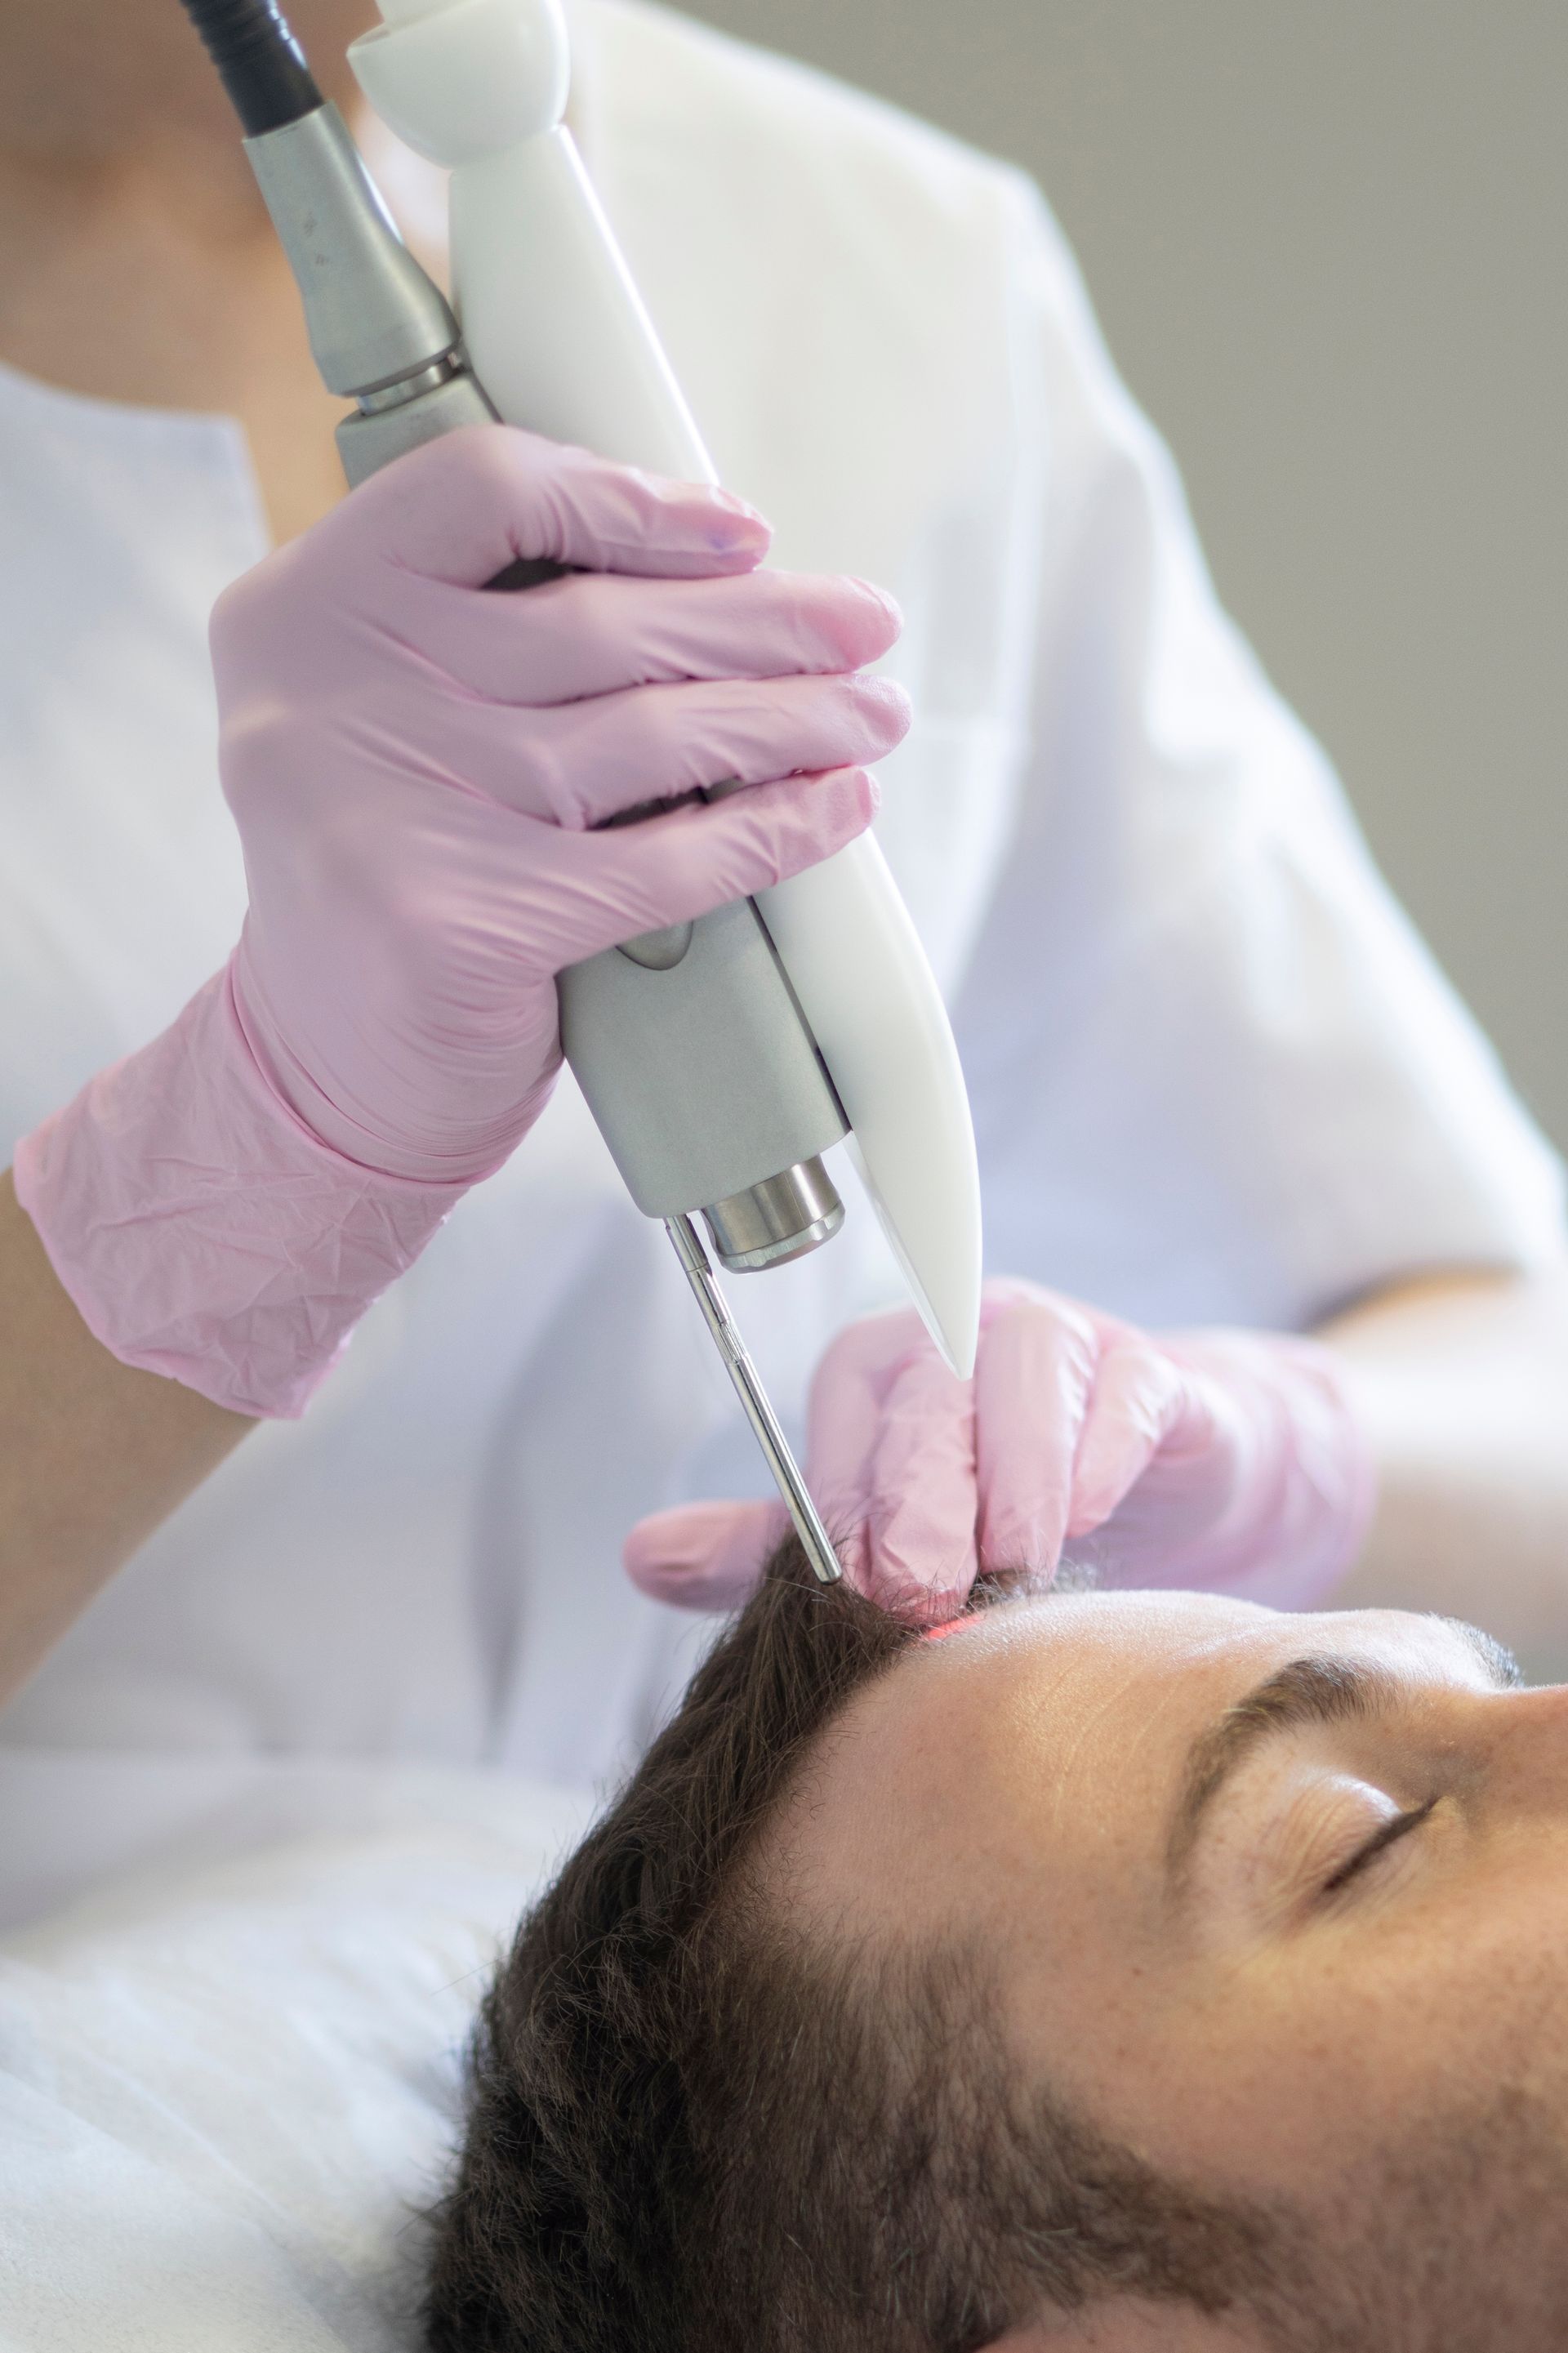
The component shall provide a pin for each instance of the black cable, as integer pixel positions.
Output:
(262, 65)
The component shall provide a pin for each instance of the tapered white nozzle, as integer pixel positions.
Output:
(871, 998)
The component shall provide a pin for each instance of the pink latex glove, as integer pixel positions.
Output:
(1225, 1460)
(414, 766)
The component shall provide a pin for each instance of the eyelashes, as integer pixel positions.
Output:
(1388, 1834)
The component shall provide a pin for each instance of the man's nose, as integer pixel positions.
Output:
(1528, 1745)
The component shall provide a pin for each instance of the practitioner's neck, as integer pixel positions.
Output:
(137, 263)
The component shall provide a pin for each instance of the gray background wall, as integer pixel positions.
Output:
(1325, 237)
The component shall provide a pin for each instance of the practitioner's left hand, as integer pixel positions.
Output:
(1224, 1460)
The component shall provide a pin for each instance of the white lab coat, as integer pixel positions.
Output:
(1215, 1076)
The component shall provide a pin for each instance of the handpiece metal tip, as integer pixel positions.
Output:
(816, 1541)
(821, 1555)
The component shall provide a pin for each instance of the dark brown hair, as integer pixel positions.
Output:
(691, 2132)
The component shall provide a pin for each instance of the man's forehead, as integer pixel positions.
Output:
(933, 1772)
(1066, 1692)
(1058, 1666)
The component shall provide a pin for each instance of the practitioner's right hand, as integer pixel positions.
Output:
(417, 767)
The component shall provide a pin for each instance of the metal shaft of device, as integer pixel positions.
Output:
(817, 1542)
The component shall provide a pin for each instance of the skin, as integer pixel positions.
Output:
(1257, 2029)
(137, 262)
(137, 265)
(93, 1454)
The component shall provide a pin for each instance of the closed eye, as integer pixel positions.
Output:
(1388, 1834)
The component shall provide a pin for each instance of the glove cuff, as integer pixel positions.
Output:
(200, 1228)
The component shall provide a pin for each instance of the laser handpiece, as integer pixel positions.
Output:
(719, 1058)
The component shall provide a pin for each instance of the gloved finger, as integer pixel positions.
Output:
(578, 763)
(642, 878)
(844, 1417)
(463, 508)
(1034, 1374)
(1142, 1399)
(704, 1555)
(596, 633)
(921, 1520)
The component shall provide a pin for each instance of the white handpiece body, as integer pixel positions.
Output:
(560, 338)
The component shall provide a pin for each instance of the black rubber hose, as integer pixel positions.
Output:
(262, 65)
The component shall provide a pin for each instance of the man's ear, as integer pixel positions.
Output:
(1131, 2326)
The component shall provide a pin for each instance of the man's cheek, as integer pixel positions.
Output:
(1283, 2070)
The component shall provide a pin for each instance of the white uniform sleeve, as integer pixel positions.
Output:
(1216, 1074)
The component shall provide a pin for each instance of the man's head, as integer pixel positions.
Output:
(1121, 1971)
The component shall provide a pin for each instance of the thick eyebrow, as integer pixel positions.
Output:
(1317, 1690)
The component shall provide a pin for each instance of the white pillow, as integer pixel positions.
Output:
(226, 2091)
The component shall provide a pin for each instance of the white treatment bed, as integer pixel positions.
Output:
(228, 2080)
